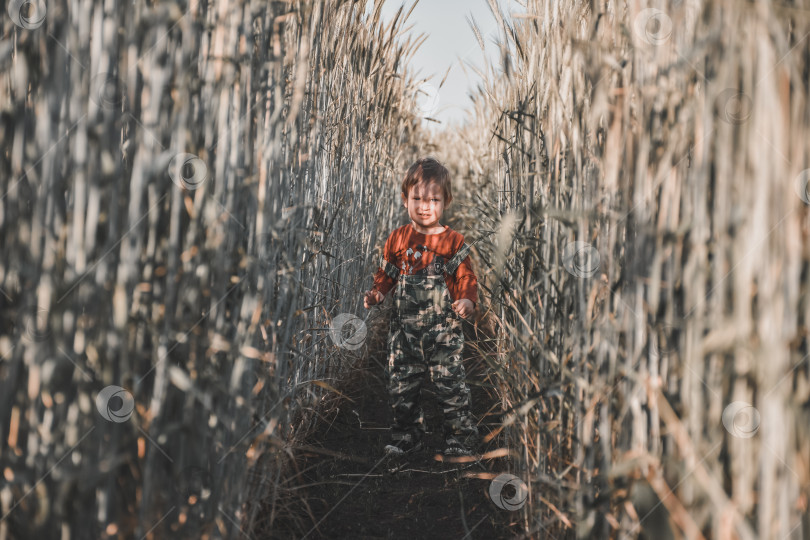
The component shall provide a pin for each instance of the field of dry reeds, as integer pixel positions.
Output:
(650, 163)
(193, 199)
(189, 194)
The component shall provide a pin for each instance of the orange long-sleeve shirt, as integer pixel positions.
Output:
(415, 253)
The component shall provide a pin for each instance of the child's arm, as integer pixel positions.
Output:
(466, 282)
(464, 287)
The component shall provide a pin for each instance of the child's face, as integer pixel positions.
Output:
(425, 204)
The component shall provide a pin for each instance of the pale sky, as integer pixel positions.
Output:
(450, 41)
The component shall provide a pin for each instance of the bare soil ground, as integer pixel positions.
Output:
(353, 491)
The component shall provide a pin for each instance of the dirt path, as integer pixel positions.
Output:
(358, 493)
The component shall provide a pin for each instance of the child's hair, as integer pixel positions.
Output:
(430, 170)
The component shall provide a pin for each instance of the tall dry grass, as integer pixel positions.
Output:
(192, 194)
(646, 165)
(189, 194)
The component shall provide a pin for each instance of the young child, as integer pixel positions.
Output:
(435, 287)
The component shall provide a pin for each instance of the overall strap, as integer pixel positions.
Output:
(391, 270)
(452, 265)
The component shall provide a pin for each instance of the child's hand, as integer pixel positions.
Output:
(463, 307)
(372, 297)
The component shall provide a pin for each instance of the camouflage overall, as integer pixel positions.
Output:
(426, 335)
